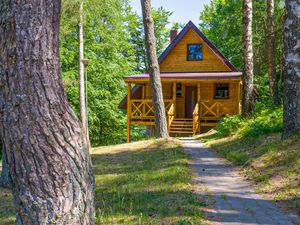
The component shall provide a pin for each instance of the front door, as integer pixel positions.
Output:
(190, 100)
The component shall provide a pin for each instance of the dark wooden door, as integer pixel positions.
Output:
(190, 100)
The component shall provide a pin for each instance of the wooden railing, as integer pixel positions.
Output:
(196, 119)
(143, 109)
(171, 115)
(216, 109)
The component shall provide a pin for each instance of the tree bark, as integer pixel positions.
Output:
(5, 181)
(291, 69)
(47, 153)
(82, 103)
(154, 73)
(271, 51)
(248, 100)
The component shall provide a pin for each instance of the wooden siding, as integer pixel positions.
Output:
(176, 60)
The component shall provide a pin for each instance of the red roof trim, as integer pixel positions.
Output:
(208, 75)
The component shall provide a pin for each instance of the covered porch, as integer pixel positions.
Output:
(190, 103)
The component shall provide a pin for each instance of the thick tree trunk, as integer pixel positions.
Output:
(82, 103)
(47, 153)
(248, 100)
(5, 181)
(154, 73)
(271, 51)
(291, 69)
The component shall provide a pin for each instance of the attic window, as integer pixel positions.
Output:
(222, 91)
(194, 52)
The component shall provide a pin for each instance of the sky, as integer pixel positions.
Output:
(183, 10)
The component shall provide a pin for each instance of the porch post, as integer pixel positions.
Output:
(128, 112)
(174, 98)
(143, 97)
(199, 105)
(239, 97)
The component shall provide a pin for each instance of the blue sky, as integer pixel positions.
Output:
(184, 10)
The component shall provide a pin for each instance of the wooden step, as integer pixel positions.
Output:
(183, 124)
(187, 119)
(181, 132)
(181, 128)
(177, 122)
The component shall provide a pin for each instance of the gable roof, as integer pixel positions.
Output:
(191, 25)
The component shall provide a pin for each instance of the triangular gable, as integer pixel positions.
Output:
(210, 45)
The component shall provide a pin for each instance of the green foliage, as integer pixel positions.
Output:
(114, 42)
(112, 57)
(222, 23)
(266, 120)
(137, 35)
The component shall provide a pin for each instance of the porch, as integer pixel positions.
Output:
(198, 112)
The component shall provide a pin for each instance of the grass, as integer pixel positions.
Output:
(145, 182)
(271, 163)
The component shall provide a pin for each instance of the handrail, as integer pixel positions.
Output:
(214, 109)
(144, 108)
(171, 115)
(196, 119)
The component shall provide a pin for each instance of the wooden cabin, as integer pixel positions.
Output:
(199, 85)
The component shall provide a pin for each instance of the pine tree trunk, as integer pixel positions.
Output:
(5, 178)
(154, 73)
(291, 69)
(248, 100)
(47, 153)
(271, 51)
(82, 102)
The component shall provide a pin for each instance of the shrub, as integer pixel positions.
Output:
(266, 120)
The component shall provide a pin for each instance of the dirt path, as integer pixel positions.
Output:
(233, 200)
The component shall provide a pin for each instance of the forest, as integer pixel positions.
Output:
(127, 55)
(64, 154)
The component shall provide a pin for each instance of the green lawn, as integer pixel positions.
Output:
(145, 182)
(271, 163)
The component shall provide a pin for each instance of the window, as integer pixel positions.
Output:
(178, 89)
(194, 52)
(221, 90)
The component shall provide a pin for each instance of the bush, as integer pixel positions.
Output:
(266, 120)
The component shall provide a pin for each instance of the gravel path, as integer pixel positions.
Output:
(232, 199)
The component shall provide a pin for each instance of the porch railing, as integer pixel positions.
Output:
(143, 109)
(196, 119)
(171, 115)
(216, 109)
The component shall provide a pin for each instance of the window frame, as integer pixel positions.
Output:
(179, 90)
(188, 48)
(215, 91)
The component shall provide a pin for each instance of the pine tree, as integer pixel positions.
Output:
(154, 73)
(248, 101)
(47, 153)
(271, 51)
(291, 69)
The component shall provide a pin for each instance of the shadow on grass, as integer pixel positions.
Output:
(271, 163)
(152, 183)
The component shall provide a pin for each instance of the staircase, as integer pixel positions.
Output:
(181, 127)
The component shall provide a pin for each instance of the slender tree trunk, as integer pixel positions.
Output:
(47, 153)
(248, 100)
(83, 114)
(291, 69)
(154, 73)
(271, 51)
(5, 181)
